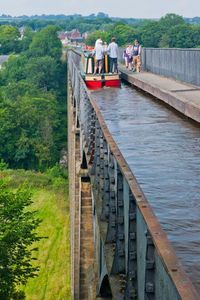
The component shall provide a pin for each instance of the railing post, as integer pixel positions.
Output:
(119, 260)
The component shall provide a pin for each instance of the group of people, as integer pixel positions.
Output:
(132, 56)
(100, 50)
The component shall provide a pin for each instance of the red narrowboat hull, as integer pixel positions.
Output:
(112, 80)
(113, 83)
(93, 82)
(93, 85)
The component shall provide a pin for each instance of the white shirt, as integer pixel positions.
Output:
(98, 41)
(98, 51)
(113, 50)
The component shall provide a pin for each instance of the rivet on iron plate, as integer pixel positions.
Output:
(174, 269)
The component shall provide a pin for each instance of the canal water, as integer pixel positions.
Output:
(163, 150)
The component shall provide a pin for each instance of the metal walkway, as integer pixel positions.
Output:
(162, 148)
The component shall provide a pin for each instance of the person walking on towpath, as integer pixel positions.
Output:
(137, 49)
(113, 51)
(99, 56)
(125, 57)
(129, 53)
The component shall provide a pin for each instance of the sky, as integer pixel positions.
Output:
(117, 8)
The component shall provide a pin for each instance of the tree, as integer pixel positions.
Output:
(151, 34)
(33, 106)
(8, 39)
(48, 76)
(196, 35)
(14, 70)
(46, 43)
(27, 39)
(28, 127)
(170, 20)
(17, 234)
(181, 36)
(91, 39)
(164, 41)
(123, 33)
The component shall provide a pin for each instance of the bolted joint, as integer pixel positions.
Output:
(149, 287)
(132, 275)
(132, 235)
(112, 194)
(121, 252)
(149, 240)
(133, 294)
(150, 264)
(121, 236)
(113, 210)
(113, 224)
(120, 203)
(133, 255)
(132, 216)
(121, 220)
(112, 180)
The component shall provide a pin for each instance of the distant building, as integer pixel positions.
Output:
(75, 36)
(62, 35)
(85, 35)
(71, 36)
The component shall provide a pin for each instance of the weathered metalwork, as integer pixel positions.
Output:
(181, 64)
(134, 259)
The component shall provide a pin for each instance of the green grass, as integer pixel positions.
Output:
(53, 256)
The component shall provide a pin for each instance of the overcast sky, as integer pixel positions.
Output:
(126, 8)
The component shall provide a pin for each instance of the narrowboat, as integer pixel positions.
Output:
(97, 81)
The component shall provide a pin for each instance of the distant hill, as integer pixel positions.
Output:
(100, 15)
(195, 20)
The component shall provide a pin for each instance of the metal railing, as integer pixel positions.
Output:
(178, 63)
(134, 257)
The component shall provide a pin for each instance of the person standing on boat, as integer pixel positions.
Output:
(129, 53)
(137, 49)
(99, 56)
(113, 51)
(99, 40)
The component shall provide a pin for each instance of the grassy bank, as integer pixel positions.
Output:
(53, 257)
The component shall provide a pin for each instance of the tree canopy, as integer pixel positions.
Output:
(17, 233)
(46, 43)
(170, 31)
(33, 104)
(9, 36)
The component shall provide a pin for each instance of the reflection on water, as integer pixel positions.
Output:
(163, 150)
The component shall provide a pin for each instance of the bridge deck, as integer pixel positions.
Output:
(162, 148)
(184, 97)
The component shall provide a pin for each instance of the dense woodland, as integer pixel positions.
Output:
(171, 31)
(32, 134)
(33, 102)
